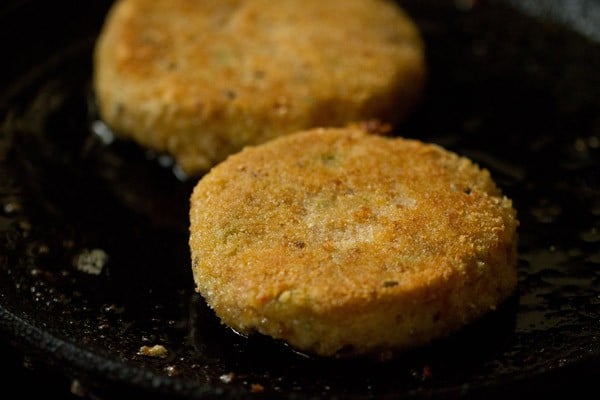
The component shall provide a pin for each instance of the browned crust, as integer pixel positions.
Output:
(333, 238)
(201, 79)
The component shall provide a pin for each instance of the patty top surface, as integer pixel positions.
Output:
(249, 70)
(335, 218)
(183, 44)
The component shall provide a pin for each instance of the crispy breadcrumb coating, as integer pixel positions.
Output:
(339, 241)
(201, 79)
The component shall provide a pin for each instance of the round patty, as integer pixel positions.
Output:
(342, 242)
(200, 79)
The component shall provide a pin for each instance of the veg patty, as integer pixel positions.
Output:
(339, 241)
(201, 79)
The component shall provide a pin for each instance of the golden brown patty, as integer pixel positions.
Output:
(336, 240)
(200, 79)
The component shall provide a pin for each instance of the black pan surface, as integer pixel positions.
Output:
(94, 260)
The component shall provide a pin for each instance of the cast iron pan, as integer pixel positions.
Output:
(517, 93)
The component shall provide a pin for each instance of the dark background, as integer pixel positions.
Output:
(40, 26)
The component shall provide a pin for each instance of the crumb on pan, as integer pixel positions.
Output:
(157, 350)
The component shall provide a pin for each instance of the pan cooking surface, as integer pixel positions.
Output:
(94, 261)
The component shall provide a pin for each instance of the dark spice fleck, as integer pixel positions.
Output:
(230, 94)
(299, 244)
